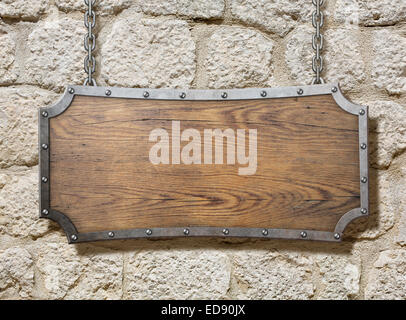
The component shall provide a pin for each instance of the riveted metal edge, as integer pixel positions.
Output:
(155, 233)
(62, 104)
(43, 137)
(363, 158)
(364, 171)
(342, 101)
(192, 94)
(346, 219)
(65, 223)
(171, 94)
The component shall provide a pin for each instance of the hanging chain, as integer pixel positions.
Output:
(90, 43)
(317, 42)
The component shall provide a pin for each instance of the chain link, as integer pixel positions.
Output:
(317, 41)
(90, 43)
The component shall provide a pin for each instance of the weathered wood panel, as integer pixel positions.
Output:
(307, 173)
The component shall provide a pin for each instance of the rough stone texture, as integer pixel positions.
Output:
(202, 44)
(389, 64)
(148, 53)
(56, 54)
(7, 58)
(401, 236)
(102, 7)
(238, 57)
(203, 9)
(171, 273)
(385, 191)
(263, 274)
(16, 273)
(400, 165)
(342, 57)
(83, 272)
(387, 280)
(278, 17)
(340, 278)
(23, 9)
(18, 124)
(19, 204)
(370, 12)
(387, 132)
(60, 268)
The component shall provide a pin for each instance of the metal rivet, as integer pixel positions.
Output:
(182, 95)
(108, 92)
(364, 179)
(111, 234)
(364, 211)
(44, 179)
(44, 146)
(45, 212)
(148, 232)
(146, 94)
(44, 114)
(71, 90)
(363, 146)
(303, 234)
(265, 232)
(263, 94)
(186, 232)
(362, 112)
(74, 237)
(226, 231)
(300, 91)
(224, 95)
(334, 89)
(337, 236)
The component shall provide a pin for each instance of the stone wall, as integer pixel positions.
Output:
(201, 44)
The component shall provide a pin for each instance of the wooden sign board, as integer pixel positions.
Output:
(270, 163)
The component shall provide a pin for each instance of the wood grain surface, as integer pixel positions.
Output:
(307, 174)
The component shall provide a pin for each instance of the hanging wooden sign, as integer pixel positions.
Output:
(270, 163)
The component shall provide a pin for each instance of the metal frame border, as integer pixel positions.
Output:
(217, 95)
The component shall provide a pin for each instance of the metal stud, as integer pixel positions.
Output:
(303, 234)
(44, 179)
(146, 94)
(44, 146)
(364, 211)
(363, 146)
(364, 179)
(263, 94)
(44, 114)
(362, 112)
(334, 89)
(111, 234)
(226, 231)
(265, 232)
(74, 237)
(224, 95)
(45, 212)
(71, 90)
(337, 236)
(300, 91)
(186, 231)
(182, 95)
(148, 232)
(108, 92)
